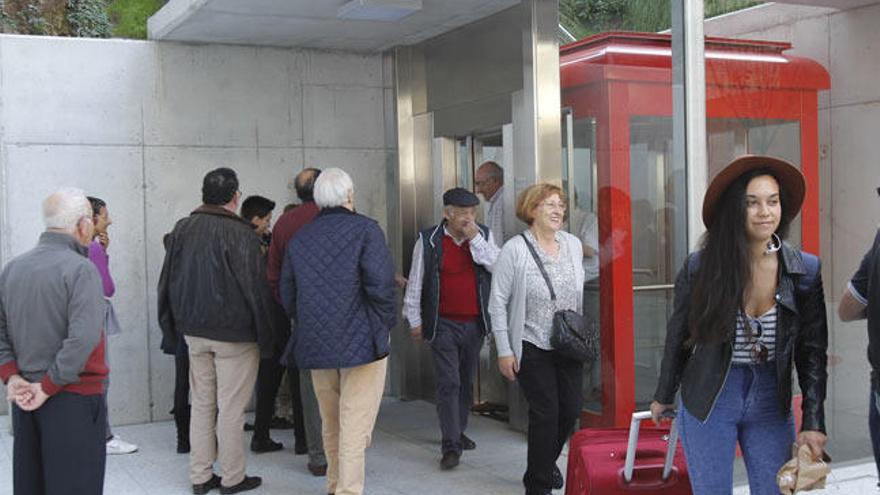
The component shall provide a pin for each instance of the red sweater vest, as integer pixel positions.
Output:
(458, 282)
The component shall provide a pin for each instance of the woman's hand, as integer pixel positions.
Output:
(508, 367)
(815, 439)
(657, 410)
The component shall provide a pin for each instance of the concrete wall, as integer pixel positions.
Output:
(139, 123)
(847, 43)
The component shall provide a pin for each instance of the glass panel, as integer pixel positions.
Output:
(464, 162)
(657, 196)
(579, 180)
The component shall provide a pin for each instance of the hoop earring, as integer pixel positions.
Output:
(774, 245)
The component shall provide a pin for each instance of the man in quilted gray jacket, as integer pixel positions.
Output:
(337, 285)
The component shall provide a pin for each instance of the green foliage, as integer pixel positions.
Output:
(587, 17)
(88, 18)
(130, 17)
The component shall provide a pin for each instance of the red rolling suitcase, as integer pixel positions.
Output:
(608, 461)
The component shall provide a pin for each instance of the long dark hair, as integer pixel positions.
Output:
(725, 270)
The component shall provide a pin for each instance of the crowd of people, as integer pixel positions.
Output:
(313, 300)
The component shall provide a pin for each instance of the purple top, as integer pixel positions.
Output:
(99, 257)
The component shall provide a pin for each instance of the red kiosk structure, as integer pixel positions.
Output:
(618, 168)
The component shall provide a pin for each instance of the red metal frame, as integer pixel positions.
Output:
(614, 76)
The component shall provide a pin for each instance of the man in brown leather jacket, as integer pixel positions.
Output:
(213, 290)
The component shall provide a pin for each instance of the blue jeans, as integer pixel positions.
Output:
(874, 426)
(747, 410)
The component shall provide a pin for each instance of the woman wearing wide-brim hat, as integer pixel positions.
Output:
(748, 306)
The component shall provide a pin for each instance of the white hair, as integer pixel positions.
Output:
(64, 208)
(332, 188)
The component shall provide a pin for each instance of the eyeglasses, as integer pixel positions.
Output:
(759, 350)
(554, 206)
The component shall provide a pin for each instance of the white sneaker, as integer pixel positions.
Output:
(117, 445)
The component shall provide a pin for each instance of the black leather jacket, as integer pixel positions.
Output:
(213, 282)
(801, 338)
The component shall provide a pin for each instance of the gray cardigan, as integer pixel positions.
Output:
(507, 302)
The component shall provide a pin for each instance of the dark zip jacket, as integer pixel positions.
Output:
(801, 339)
(213, 282)
(432, 257)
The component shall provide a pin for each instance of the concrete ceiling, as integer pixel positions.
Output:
(835, 4)
(309, 23)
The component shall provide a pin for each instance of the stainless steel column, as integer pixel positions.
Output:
(689, 107)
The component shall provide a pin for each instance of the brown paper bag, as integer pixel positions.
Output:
(803, 473)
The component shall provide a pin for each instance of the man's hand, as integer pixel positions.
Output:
(104, 240)
(16, 386)
(508, 367)
(470, 230)
(815, 439)
(400, 280)
(416, 333)
(33, 399)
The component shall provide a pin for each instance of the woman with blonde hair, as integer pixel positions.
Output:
(521, 308)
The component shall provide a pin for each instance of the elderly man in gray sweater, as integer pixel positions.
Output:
(52, 355)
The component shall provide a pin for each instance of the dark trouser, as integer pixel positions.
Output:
(59, 448)
(181, 385)
(296, 403)
(269, 378)
(456, 349)
(874, 425)
(552, 386)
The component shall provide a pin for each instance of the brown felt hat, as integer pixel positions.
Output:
(790, 180)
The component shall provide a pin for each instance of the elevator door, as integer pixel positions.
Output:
(491, 389)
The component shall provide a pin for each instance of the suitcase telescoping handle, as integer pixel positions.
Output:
(629, 465)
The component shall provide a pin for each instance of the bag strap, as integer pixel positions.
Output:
(540, 266)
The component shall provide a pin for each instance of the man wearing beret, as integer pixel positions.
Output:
(446, 304)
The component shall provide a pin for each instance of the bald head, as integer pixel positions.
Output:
(489, 179)
(304, 183)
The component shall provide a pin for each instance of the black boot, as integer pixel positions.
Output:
(181, 419)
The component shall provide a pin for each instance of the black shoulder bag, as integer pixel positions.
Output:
(570, 335)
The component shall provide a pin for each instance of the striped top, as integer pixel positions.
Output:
(763, 333)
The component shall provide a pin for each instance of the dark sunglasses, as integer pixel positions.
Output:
(759, 350)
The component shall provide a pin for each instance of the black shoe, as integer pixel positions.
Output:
(278, 423)
(262, 445)
(317, 469)
(248, 427)
(557, 481)
(449, 461)
(467, 443)
(203, 488)
(248, 483)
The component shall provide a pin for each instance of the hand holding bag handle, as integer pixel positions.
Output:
(632, 444)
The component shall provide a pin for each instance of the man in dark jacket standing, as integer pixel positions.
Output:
(862, 300)
(300, 383)
(337, 284)
(446, 304)
(213, 290)
(52, 355)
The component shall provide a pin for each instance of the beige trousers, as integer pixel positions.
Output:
(349, 401)
(221, 380)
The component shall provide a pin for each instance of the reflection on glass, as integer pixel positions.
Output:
(579, 181)
(659, 239)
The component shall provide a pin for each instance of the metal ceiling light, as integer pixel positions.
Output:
(378, 10)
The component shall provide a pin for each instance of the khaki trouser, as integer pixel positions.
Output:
(349, 401)
(221, 379)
